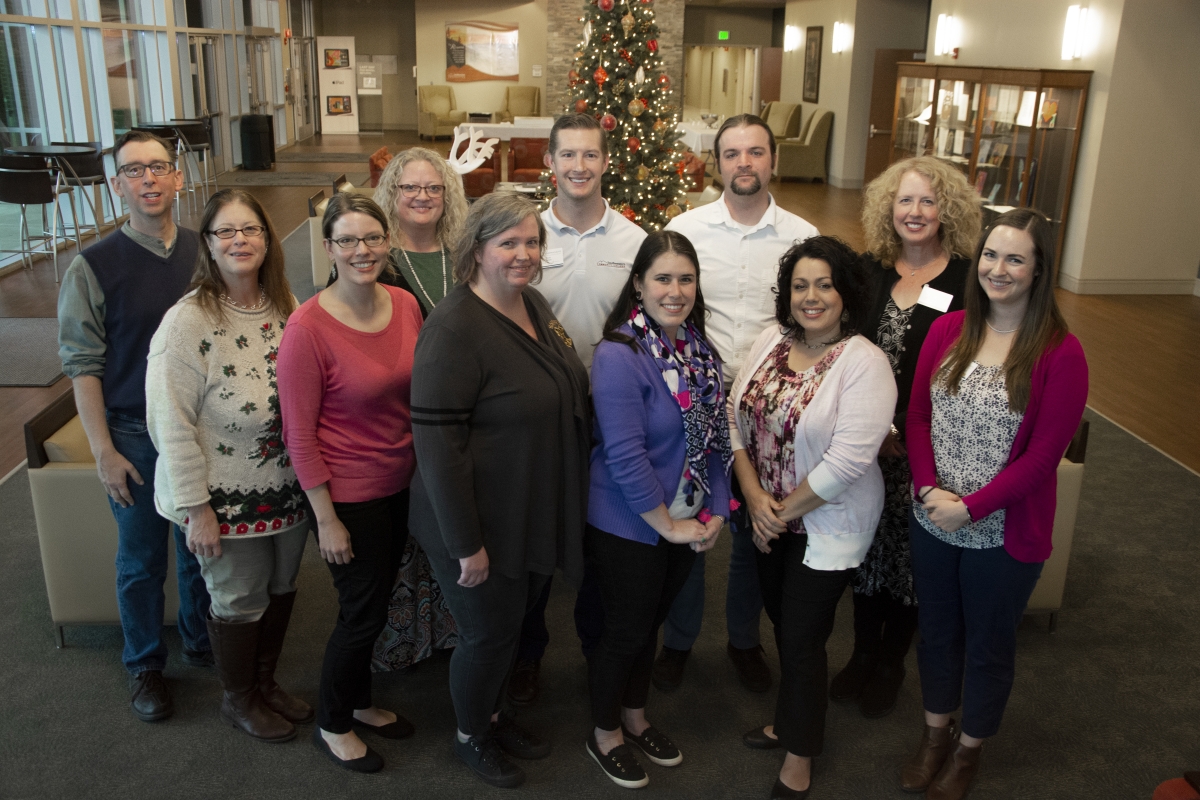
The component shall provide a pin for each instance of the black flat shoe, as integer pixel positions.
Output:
(400, 729)
(757, 739)
(781, 791)
(371, 762)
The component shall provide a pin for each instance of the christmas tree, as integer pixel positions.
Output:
(618, 78)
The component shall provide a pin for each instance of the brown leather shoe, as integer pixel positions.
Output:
(235, 646)
(149, 697)
(751, 666)
(273, 628)
(920, 770)
(524, 685)
(956, 775)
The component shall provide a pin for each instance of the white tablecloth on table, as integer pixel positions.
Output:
(697, 136)
(532, 127)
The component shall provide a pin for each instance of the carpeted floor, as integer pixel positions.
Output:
(268, 178)
(292, 154)
(1104, 709)
(29, 351)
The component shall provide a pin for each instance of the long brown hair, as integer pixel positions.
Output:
(1042, 327)
(207, 280)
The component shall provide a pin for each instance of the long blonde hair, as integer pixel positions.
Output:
(454, 200)
(207, 280)
(959, 211)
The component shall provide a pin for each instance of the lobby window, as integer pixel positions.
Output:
(129, 74)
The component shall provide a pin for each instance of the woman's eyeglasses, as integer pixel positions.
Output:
(351, 242)
(412, 190)
(253, 231)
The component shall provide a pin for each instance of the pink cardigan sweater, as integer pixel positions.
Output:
(1026, 487)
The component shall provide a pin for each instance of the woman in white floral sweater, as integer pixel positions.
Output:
(223, 473)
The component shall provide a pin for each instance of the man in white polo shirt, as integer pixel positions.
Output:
(589, 252)
(739, 238)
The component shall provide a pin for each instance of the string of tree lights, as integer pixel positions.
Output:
(618, 78)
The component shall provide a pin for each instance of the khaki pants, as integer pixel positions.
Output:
(242, 580)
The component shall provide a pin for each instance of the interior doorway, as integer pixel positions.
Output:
(201, 93)
(725, 81)
(304, 108)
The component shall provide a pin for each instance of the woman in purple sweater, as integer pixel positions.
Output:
(659, 487)
(999, 391)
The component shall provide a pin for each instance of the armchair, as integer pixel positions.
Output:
(525, 159)
(783, 119)
(804, 157)
(436, 114)
(520, 101)
(482, 180)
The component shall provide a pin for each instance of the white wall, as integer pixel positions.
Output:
(1132, 222)
(531, 18)
(846, 77)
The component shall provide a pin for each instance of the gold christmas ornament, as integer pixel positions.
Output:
(627, 23)
(643, 173)
(673, 211)
(660, 124)
(636, 107)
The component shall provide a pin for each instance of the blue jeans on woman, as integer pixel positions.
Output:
(969, 605)
(142, 540)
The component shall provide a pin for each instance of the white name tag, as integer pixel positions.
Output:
(932, 298)
(553, 258)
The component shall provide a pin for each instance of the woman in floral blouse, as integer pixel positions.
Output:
(212, 407)
(808, 413)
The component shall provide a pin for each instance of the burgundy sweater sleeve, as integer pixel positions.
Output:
(1061, 395)
(917, 439)
(301, 376)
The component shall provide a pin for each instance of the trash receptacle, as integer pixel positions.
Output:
(258, 141)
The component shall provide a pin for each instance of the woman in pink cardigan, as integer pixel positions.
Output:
(999, 391)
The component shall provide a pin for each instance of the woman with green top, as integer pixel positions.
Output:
(423, 199)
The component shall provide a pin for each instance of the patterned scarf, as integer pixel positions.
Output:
(700, 395)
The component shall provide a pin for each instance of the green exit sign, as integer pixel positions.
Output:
(722, 35)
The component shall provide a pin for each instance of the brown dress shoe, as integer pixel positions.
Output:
(956, 775)
(920, 770)
(149, 698)
(524, 685)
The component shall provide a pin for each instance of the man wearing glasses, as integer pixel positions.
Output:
(113, 298)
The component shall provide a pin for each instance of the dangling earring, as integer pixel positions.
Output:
(637, 296)
(332, 270)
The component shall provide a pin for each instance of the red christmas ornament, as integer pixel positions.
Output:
(605, 5)
(652, 45)
(580, 106)
(600, 76)
(634, 144)
(608, 122)
(625, 55)
(664, 81)
(646, 2)
(574, 75)
(629, 214)
(606, 38)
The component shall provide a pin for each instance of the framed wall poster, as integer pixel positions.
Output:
(336, 106)
(337, 58)
(812, 62)
(481, 51)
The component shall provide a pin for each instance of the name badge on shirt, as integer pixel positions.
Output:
(932, 298)
(553, 258)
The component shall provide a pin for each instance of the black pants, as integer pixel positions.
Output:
(638, 582)
(883, 627)
(378, 532)
(489, 620)
(801, 603)
(589, 621)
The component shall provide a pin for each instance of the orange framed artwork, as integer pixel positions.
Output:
(481, 51)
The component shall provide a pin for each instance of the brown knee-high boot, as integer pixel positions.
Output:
(235, 648)
(270, 643)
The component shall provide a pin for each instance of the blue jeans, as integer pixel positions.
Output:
(969, 604)
(142, 541)
(743, 600)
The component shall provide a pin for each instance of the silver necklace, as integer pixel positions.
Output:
(819, 345)
(420, 285)
(997, 330)
(262, 301)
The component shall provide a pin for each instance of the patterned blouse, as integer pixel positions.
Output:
(773, 401)
(893, 325)
(973, 433)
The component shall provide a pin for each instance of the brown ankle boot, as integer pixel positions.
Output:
(920, 770)
(235, 648)
(270, 643)
(956, 775)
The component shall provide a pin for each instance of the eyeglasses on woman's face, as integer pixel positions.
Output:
(412, 189)
(157, 168)
(351, 242)
(248, 230)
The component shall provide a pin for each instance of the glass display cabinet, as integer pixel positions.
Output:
(1013, 133)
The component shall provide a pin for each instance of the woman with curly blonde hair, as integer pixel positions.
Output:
(921, 219)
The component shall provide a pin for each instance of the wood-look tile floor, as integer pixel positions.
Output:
(1142, 350)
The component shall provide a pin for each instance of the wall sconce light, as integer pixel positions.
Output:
(843, 37)
(1074, 32)
(791, 38)
(947, 36)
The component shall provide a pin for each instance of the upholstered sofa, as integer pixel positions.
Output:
(483, 179)
(783, 119)
(525, 164)
(437, 114)
(804, 155)
(76, 531)
(520, 101)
